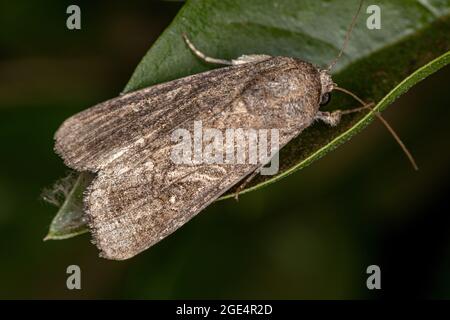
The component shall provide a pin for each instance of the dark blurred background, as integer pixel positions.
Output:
(311, 235)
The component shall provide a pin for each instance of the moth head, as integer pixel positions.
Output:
(327, 85)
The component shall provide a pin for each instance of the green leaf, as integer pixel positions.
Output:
(70, 220)
(374, 65)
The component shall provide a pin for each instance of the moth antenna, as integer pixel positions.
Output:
(385, 123)
(347, 37)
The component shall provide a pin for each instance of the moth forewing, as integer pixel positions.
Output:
(139, 195)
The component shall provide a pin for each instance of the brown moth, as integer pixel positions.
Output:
(139, 196)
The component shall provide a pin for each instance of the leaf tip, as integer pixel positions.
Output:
(48, 237)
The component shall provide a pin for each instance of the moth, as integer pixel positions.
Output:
(139, 196)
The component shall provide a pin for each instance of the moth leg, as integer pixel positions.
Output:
(250, 58)
(245, 183)
(333, 118)
(203, 56)
(330, 118)
(241, 60)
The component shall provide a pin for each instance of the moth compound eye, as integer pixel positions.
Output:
(325, 99)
